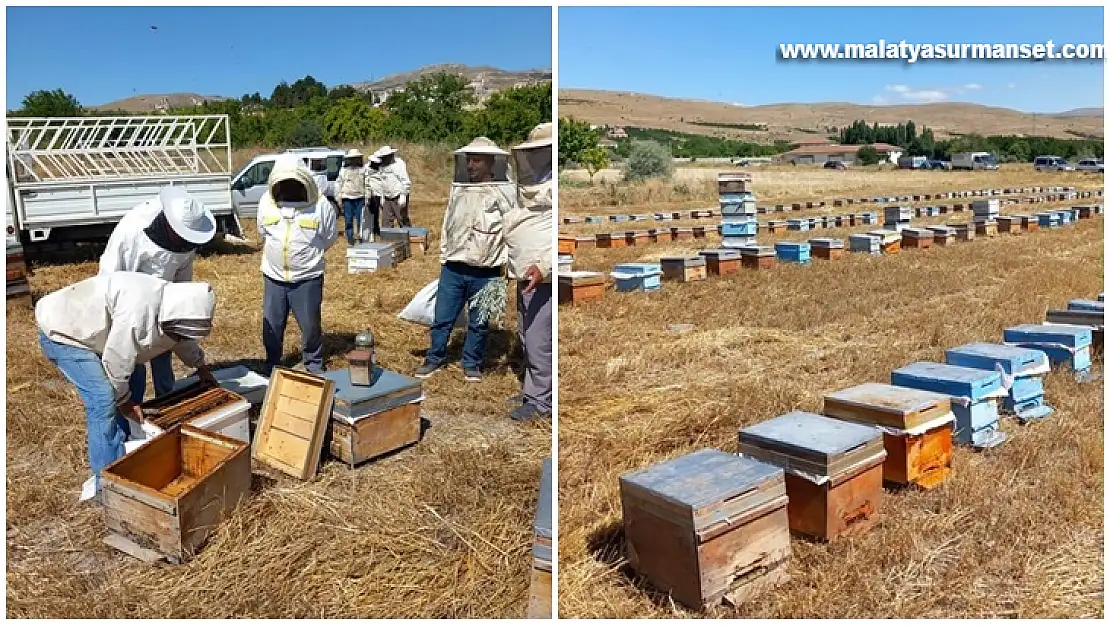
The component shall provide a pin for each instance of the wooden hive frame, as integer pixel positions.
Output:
(293, 423)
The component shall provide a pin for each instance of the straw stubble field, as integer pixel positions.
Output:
(442, 529)
(1016, 531)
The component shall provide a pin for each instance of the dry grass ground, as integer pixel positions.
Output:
(696, 187)
(442, 529)
(1017, 531)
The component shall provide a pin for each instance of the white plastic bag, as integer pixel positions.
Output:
(422, 309)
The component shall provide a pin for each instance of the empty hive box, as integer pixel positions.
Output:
(1025, 398)
(576, 287)
(834, 470)
(757, 257)
(721, 262)
(371, 421)
(974, 395)
(539, 593)
(683, 268)
(637, 276)
(1067, 345)
(916, 426)
(827, 249)
(707, 527)
(164, 500)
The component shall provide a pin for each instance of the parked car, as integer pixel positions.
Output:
(248, 185)
(835, 165)
(1093, 165)
(937, 164)
(1051, 163)
(974, 160)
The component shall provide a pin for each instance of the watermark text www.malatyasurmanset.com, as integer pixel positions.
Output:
(914, 52)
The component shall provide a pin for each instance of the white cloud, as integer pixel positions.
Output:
(907, 94)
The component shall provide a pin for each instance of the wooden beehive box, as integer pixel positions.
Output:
(371, 421)
(567, 244)
(987, 229)
(964, 231)
(1067, 345)
(827, 249)
(834, 470)
(610, 241)
(1009, 225)
(738, 182)
(758, 258)
(639, 237)
(890, 241)
(916, 425)
(401, 241)
(166, 498)
(539, 594)
(721, 262)
(197, 403)
(1030, 223)
(943, 236)
(418, 238)
(293, 422)
(707, 527)
(682, 234)
(585, 242)
(919, 238)
(576, 287)
(683, 268)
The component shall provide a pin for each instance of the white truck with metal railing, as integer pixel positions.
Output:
(72, 179)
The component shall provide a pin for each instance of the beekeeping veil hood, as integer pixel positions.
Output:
(289, 168)
(499, 188)
(532, 165)
(187, 309)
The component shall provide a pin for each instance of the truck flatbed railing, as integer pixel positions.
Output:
(44, 151)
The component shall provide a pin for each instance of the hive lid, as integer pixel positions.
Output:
(1013, 360)
(541, 543)
(953, 380)
(291, 426)
(638, 269)
(708, 486)
(383, 384)
(887, 405)
(825, 242)
(1071, 336)
(1086, 304)
(1091, 318)
(811, 443)
(721, 253)
(688, 261)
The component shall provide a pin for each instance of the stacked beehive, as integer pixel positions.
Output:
(371, 421)
(897, 217)
(985, 217)
(974, 397)
(637, 276)
(1022, 367)
(738, 210)
(1067, 345)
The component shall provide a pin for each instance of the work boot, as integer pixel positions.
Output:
(472, 374)
(426, 370)
(527, 413)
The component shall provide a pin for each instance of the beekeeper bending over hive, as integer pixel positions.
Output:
(472, 253)
(98, 330)
(528, 242)
(297, 225)
(159, 237)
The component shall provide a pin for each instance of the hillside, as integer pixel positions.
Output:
(153, 102)
(794, 122)
(1085, 112)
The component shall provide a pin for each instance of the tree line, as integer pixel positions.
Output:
(439, 108)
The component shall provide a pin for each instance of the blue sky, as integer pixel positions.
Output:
(729, 54)
(109, 53)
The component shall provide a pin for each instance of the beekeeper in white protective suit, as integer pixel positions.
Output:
(98, 330)
(298, 226)
(395, 188)
(528, 233)
(159, 237)
(371, 211)
(472, 254)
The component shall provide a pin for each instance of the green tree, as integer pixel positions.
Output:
(510, 115)
(867, 155)
(352, 120)
(56, 103)
(306, 133)
(430, 109)
(574, 138)
(648, 159)
(594, 160)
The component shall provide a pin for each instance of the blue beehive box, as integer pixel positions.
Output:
(791, 252)
(620, 218)
(864, 243)
(870, 218)
(595, 220)
(739, 229)
(638, 276)
(1048, 220)
(1026, 397)
(1086, 304)
(798, 225)
(1067, 345)
(977, 421)
(1065, 217)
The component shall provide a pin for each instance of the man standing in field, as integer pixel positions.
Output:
(160, 238)
(102, 329)
(350, 192)
(373, 197)
(472, 253)
(298, 226)
(395, 187)
(528, 231)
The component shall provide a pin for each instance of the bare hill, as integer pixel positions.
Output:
(794, 122)
(491, 78)
(1084, 112)
(153, 102)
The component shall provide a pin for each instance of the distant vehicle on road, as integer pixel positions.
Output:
(937, 164)
(912, 162)
(1052, 163)
(1093, 165)
(835, 165)
(974, 160)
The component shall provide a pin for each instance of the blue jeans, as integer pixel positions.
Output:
(459, 282)
(161, 367)
(106, 427)
(305, 299)
(352, 215)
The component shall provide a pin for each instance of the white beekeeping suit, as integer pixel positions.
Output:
(528, 227)
(140, 243)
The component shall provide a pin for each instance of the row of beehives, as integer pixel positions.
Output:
(713, 526)
(394, 248)
(568, 243)
(581, 286)
(165, 498)
(1048, 194)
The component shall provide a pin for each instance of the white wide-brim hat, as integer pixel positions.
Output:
(385, 150)
(482, 145)
(188, 217)
(353, 153)
(540, 137)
